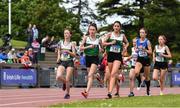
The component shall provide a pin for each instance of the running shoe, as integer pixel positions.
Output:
(109, 95)
(131, 94)
(158, 83)
(148, 93)
(67, 96)
(138, 88)
(141, 85)
(161, 93)
(64, 87)
(85, 94)
(116, 94)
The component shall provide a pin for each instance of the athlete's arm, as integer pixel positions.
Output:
(82, 47)
(106, 37)
(126, 42)
(73, 53)
(58, 55)
(149, 50)
(168, 53)
(101, 46)
(154, 56)
(129, 58)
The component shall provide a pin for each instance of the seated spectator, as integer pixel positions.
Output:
(31, 54)
(25, 60)
(19, 54)
(12, 58)
(3, 57)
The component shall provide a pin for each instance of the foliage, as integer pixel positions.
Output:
(46, 14)
(158, 16)
(83, 10)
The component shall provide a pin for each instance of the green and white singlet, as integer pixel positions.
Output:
(92, 51)
(64, 55)
(118, 46)
(158, 53)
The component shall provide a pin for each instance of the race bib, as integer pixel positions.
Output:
(159, 58)
(65, 56)
(115, 48)
(142, 53)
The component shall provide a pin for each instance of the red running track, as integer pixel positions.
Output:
(42, 97)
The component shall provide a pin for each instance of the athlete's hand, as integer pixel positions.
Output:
(140, 47)
(92, 46)
(113, 42)
(58, 61)
(161, 54)
(136, 50)
(101, 50)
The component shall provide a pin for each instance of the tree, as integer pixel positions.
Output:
(46, 14)
(156, 15)
(83, 10)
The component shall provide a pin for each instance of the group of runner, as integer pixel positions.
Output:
(114, 45)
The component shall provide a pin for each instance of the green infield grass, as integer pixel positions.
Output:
(139, 101)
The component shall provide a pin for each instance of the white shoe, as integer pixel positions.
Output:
(148, 94)
(161, 93)
(138, 88)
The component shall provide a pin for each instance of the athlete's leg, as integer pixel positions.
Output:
(91, 72)
(131, 78)
(107, 77)
(162, 78)
(138, 67)
(69, 72)
(59, 75)
(114, 72)
(147, 78)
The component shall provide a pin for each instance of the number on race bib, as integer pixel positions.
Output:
(115, 48)
(142, 53)
(159, 58)
(65, 56)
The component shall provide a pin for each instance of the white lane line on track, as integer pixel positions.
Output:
(24, 95)
(29, 97)
(17, 103)
(47, 96)
(28, 102)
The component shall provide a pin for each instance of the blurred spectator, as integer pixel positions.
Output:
(31, 54)
(12, 58)
(177, 65)
(49, 43)
(25, 60)
(103, 63)
(29, 33)
(170, 62)
(82, 59)
(3, 57)
(35, 50)
(19, 54)
(46, 40)
(6, 42)
(35, 32)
